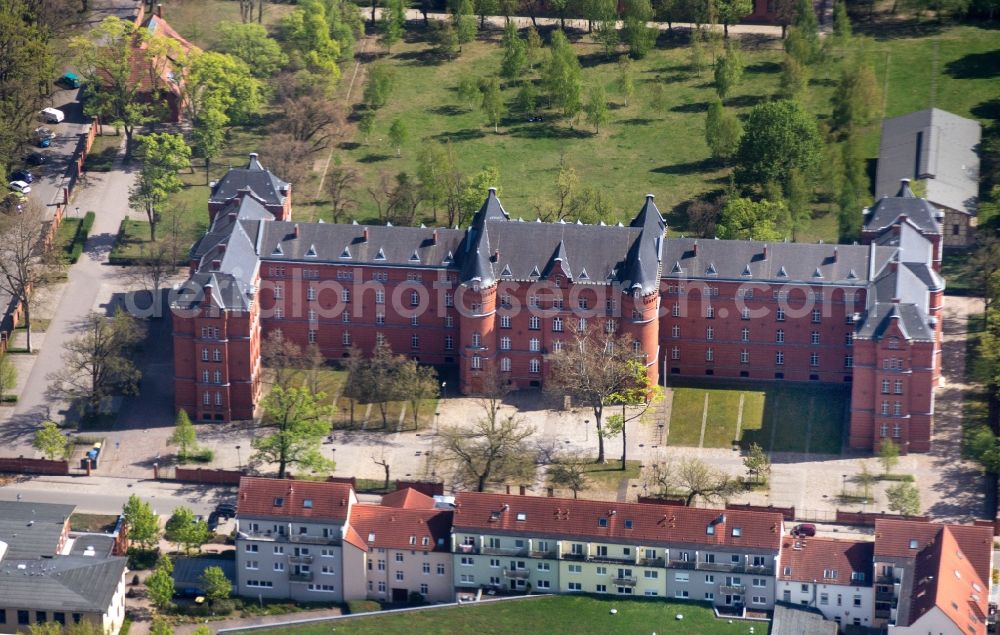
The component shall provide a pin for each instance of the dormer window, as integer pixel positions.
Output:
(424, 541)
(494, 516)
(307, 503)
(913, 543)
(628, 524)
(413, 540)
(371, 537)
(602, 522)
(521, 516)
(710, 530)
(737, 532)
(279, 501)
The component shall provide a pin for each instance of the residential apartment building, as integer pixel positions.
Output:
(405, 546)
(931, 577)
(504, 294)
(48, 575)
(521, 543)
(831, 575)
(289, 540)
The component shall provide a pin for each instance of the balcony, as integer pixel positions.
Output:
(885, 596)
(574, 556)
(882, 614)
(504, 551)
(886, 579)
(612, 559)
(724, 567)
(624, 581)
(517, 574)
(541, 554)
(466, 548)
(758, 569)
(306, 539)
(737, 589)
(303, 559)
(302, 576)
(682, 564)
(650, 562)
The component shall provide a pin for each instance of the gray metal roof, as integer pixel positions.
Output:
(188, 571)
(935, 145)
(793, 619)
(745, 261)
(888, 209)
(32, 530)
(61, 583)
(264, 185)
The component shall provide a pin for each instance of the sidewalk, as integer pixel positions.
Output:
(216, 626)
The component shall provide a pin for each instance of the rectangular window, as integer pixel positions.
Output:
(675, 353)
(814, 337)
(345, 338)
(477, 362)
(675, 311)
(780, 315)
(779, 336)
(897, 387)
(779, 358)
(414, 341)
(816, 316)
(449, 322)
(505, 321)
(534, 366)
(848, 361)
(709, 354)
(744, 356)
(814, 359)
(449, 343)
(709, 334)
(675, 331)
(575, 586)
(534, 323)
(534, 345)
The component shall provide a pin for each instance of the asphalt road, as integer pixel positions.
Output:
(49, 177)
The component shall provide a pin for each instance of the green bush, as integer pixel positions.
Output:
(140, 559)
(75, 252)
(9, 399)
(223, 607)
(200, 455)
(87, 224)
(907, 478)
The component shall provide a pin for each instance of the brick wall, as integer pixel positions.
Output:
(22, 465)
(212, 477)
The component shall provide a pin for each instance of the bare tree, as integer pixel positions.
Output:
(569, 472)
(246, 10)
(97, 364)
(381, 460)
(158, 261)
(693, 478)
(492, 450)
(420, 383)
(381, 194)
(289, 157)
(310, 118)
(313, 363)
(341, 182)
(25, 262)
(591, 369)
(282, 356)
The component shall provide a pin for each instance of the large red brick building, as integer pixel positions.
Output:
(503, 293)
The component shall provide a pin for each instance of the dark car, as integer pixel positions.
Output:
(225, 509)
(805, 529)
(22, 175)
(188, 592)
(213, 521)
(37, 158)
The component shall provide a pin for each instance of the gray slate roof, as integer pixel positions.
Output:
(792, 619)
(32, 530)
(188, 571)
(936, 145)
(743, 260)
(62, 583)
(887, 210)
(254, 177)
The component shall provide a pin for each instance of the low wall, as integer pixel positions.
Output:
(787, 512)
(671, 502)
(424, 487)
(207, 477)
(22, 465)
(868, 518)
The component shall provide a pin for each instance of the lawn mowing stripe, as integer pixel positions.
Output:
(739, 417)
(772, 422)
(809, 421)
(704, 420)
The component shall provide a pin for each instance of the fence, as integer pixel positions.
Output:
(45, 467)
(868, 519)
(653, 500)
(206, 476)
(787, 512)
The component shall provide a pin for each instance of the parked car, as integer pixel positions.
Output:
(52, 115)
(37, 158)
(69, 80)
(19, 186)
(227, 510)
(213, 521)
(41, 132)
(22, 175)
(805, 529)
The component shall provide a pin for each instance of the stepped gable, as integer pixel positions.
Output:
(624, 523)
(826, 560)
(758, 261)
(254, 179)
(888, 210)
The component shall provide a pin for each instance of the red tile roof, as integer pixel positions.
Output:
(946, 579)
(625, 522)
(892, 539)
(820, 559)
(395, 528)
(260, 498)
(408, 498)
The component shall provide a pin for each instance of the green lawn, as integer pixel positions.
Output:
(569, 615)
(781, 417)
(198, 21)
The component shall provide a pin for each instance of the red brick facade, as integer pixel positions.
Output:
(796, 313)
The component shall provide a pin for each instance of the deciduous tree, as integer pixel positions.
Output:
(341, 186)
(398, 134)
(778, 136)
(757, 463)
(728, 70)
(492, 103)
(160, 584)
(51, 442)
(597, 107)
(250, 43)
(215, 583)
(97, 363)
(463, 21)
(186, 530)
(515, 53)
(731, 11)
(298, 422)
(141, 523)
(723, 131)
(640, 394)
(696, 479)
(163, 155)
(626, 78)
(25, 265)
(562, 76)
(904, 498)
(391, 24)
(591, 369)
(184, 436)
(569, 472)
(493, 449)
(746, 219)
(888, 456)
(636, 32)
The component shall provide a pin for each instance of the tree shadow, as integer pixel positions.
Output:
(975, 66)
(349, 145)
(422, 57)
(989, 109)
(448, 110)
(693, 107)
(763, 67)
(692, 167)
(374, 158)
(548, 131)
(822, 81)
(467, 134)
(887, 28)
(597, 58)
(637, 121)
(746, 101)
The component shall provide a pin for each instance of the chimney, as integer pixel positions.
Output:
(765, 252)
(434, 237)
(159, 10)
(694, 247)
(507, 486)
(521, 490)
(296, 230)
(232, 216)
(835, 254)
(253, 156)
(364, 235)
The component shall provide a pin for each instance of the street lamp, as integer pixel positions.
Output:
(239, 459)
(78, 211)
(660, 426)
(586, 430)
(444, 385)
(843, 485)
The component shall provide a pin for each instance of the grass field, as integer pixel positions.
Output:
(781, 417)
(560, 615)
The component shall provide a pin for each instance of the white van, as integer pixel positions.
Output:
(52, 115)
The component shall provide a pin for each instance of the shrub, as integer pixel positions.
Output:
(363, 606)
(223, 607)
(87, 224)
(200, 455)
(75, 253)
(141, 559)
